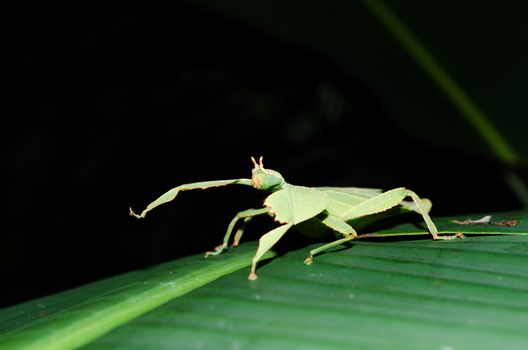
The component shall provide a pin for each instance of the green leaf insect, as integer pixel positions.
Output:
(334, 209)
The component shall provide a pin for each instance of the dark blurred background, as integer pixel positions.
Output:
(109, 106)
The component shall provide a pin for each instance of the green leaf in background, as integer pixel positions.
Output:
(378, 294)
(438, 65)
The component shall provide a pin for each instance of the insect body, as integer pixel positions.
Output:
(334, 208)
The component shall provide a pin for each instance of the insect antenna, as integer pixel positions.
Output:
(258, 165)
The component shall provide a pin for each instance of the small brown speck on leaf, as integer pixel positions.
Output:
(486, 220)
(512, 222)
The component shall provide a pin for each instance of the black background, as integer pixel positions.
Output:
(110, 107)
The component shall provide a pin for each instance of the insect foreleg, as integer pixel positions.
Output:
(338, 225)
(246, 215)
(265, 243)
(172, 193)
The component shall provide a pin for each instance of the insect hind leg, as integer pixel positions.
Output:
(423, 210)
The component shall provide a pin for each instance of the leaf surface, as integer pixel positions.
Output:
(498, 225)
(369, 294)
(471, 294)
(70, 319)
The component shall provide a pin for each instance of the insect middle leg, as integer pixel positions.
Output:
(338, 225)
(247, 215)
(240, 231)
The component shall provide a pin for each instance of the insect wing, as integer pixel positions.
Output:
(341, 200)
(295, 204)
(369, 192)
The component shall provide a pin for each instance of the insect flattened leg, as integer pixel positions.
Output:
(246, 215)
(377, 204)
(172, 193)
(338, 225)
(423, 210)
(265, 243)
(410, 205)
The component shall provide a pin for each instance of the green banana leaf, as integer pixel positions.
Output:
(379, 293)
(467, 59)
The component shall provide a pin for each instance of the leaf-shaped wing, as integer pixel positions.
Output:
(368, 192)
(295, 204)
